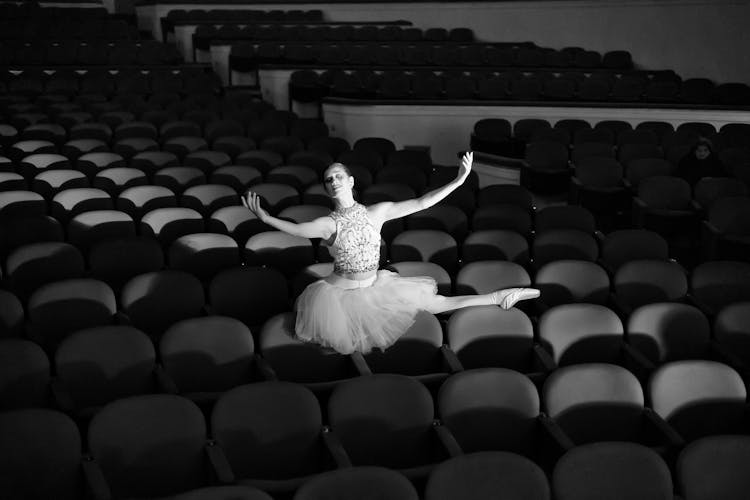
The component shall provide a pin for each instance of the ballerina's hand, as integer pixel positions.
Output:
(252, 202)
(465, 167)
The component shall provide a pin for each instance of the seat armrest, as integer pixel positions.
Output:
(451, 359)
(61, 396)
(164, 381)
(447, 439)
(574, 190)
(96, 483)
(360, 363)
(637, 362)
(122, 318)
(639, 203)
(710, 227)
(555, 432)
(543, 358)
(671, 436)
(639, 209)
(710, 237)
(265, 369)
(219, 463)
(335, 448)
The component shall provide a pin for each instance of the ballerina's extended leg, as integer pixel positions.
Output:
(505, 298)
(508, 297)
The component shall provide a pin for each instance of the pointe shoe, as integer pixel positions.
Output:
(508, 297)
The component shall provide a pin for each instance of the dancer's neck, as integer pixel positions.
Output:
(344, 204)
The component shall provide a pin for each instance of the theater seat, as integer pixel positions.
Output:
(713, 467)
(376, 483)
(272, 435)
(204, 357)
(40, 443)
(24, 375)
(482, 475)
(626, 471)
(153, 301)
(594, 402)
(97, 365)
(493, 409)
(149, 446)
(387, 420)
(699, 398)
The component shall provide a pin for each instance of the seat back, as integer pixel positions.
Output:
(567, 281)
(626, 471)
(383, 419)
(581, 333)
(24, 374)
(716, 284)
(713, 467)
(698, 397)
(250, 294)
(149, 446)
(485, 336)
(623, 245)
(296, 361)
(374, 483)
(490, 409)
(486, 276)
(209, 354)
(270, 430)
(416, 352)
(154, 301)
(640, 282)
(666, 332)
(40, 444)
(484, 474)
(100, 364)
(595, 402)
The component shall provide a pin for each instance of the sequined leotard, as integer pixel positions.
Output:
(356, 248)
(359, 314)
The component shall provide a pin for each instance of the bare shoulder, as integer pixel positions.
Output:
(325, 225)
(377, 212)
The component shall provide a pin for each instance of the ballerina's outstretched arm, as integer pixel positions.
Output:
(388, 210)
(322, 227)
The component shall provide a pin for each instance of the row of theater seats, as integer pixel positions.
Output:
(599, 183)
(182, 200)
(241, 16)
(412, 83)
(455, 55)
(44, 93)
(384, 31)
(62, 53)
(30, 11)
(277, 436)
(574, 322)
(151, 185)
(490, 133)
(115, 258)
(13, 32)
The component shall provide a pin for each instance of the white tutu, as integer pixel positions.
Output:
(361, 319)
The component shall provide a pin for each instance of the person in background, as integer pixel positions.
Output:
(700, 162)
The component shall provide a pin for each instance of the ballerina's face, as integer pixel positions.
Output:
(337, 181)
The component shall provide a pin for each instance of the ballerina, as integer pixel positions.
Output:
(359, 307)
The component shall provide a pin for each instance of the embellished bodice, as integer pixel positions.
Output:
(356, 248)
